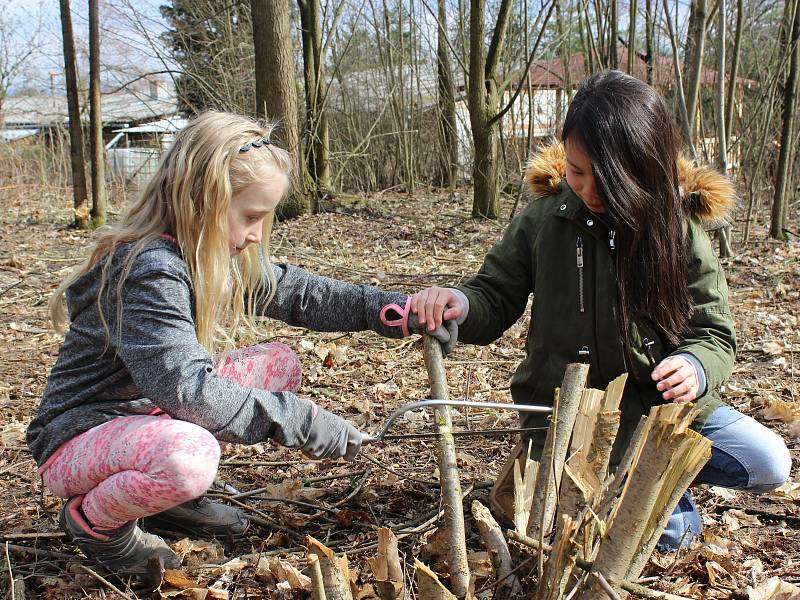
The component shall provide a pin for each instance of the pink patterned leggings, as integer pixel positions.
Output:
(132, 467)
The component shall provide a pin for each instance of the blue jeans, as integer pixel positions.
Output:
(745, 455)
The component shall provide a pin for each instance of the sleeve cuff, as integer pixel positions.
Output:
(462, 298)
(698, 368)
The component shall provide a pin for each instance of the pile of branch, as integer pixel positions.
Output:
(591, 531)
(603, 527)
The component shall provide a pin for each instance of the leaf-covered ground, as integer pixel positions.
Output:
(402, 242)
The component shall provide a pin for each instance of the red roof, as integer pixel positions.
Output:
(550, 73)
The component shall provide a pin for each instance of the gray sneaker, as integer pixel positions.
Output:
(126, 550)
(202, 518)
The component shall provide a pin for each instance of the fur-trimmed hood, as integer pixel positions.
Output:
(707, 194)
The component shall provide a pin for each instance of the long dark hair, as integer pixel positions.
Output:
(626, 130)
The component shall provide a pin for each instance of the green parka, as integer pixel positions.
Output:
(563, 254)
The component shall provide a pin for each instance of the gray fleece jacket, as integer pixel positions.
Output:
(157, 362)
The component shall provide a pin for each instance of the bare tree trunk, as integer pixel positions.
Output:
(732, 85)
(96, 144)
(566, 61)
(695, 47)
(632, 37)
(483, 104)
(492, 537)
(649, 16)
(276, 94)
(79, 195)
(685, 123)
(316, 128)
(447, 103)
(783, 175)
(724, 232)
(613, 34)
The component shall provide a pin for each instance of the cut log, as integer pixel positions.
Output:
(690, 457)
(495, 543)
(551, 466)
(317, 581)
(335, 570)
(668, 451)
(428, 585)
(387, 567)
(448, 470)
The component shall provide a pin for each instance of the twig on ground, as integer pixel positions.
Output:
(318, 507)
(32, 536)
(513, 571)
(628, 586)
(332, 477)
(356, 491)
(104, 581)
(393, 472)
(43, 553)
(605, 586)
(264, 520)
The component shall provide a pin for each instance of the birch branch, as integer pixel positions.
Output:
(551, 465)
(448, 470)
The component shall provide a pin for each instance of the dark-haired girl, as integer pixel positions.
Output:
(614, 252)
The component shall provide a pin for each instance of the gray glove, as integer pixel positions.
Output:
(331, 436)
(446, 333)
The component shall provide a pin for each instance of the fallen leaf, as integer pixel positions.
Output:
(178, 579)
(736, 519)
(480, 564)
(726, 494)
(772, 348)
(789, 490)
(756, 568)
(780, 410)
(774, 588)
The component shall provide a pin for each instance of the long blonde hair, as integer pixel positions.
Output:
(188, 198)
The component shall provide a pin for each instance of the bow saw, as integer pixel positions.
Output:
(530, 408)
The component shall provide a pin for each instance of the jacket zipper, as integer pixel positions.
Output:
(611, 241)
(648, 350)
(579, 261)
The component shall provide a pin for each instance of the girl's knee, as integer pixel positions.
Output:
(190, 462)
(773, 466)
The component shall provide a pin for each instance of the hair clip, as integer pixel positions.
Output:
(255, 144)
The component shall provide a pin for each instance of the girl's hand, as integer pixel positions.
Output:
(434, 305)
(677, 379)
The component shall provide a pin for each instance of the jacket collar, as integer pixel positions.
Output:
(707, 194)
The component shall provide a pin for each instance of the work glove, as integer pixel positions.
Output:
(331, 436)
(446, 333)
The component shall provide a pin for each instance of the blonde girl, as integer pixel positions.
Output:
(135, 406)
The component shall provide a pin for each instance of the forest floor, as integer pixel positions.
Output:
(404, 242)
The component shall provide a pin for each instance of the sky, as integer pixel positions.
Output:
(129, 40)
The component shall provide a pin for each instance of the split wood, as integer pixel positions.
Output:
(334, 569)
